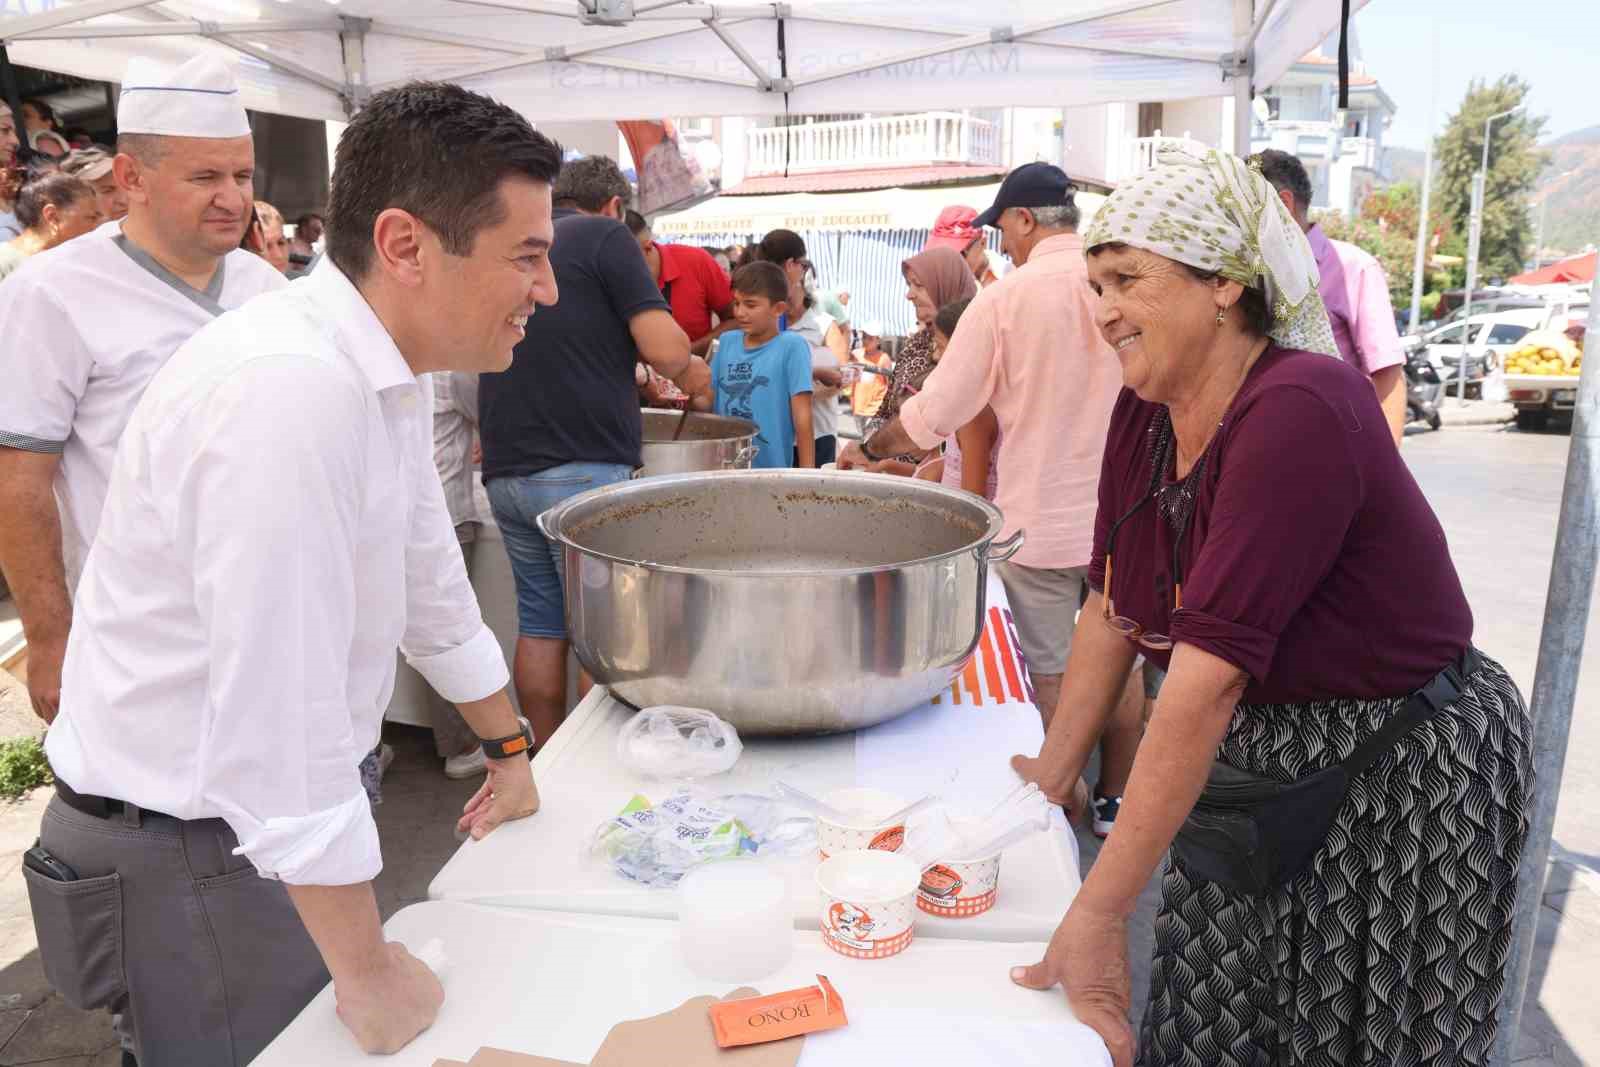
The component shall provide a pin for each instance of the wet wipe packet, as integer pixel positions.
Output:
(753, 1020)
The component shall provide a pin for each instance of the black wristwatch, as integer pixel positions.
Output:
(865, 451)
(506, 747)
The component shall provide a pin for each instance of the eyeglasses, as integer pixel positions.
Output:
(1121, 623)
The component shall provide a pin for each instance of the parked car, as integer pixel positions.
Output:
(1484, 339)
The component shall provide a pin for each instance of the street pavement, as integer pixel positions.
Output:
(1497, 492)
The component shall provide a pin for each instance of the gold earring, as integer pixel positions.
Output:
(1220, 313)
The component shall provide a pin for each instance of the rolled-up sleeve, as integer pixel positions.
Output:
(1288, 492)
(445, 637)
(269, 508)
(1376, 336)
(44, 366)
(962, 383)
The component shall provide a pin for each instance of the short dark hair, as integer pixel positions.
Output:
(148, 148)
(635, 222)
(1286, 172)
(946, 318)
(761, 279)
(45, 111)
(306, 219)
(592, 181)
(780, 246)
(437, 151)
(61, 190)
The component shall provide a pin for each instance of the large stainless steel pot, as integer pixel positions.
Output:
(708, 443)
(786, 601)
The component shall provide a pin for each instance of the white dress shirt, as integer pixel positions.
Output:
(274, 530)
(455, 423)
(86, 326)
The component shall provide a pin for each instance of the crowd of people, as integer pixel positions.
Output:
(220, 522)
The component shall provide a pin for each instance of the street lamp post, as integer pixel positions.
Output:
(1474, 236)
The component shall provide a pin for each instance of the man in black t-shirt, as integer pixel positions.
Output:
(565, 418)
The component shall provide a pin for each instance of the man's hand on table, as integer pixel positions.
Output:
(390, 1003)
(507, 793)
(851, 457)
(1088, 957)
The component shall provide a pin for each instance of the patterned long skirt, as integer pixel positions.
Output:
(1390, 949)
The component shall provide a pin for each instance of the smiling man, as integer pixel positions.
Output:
(186, 164)
(274, 531)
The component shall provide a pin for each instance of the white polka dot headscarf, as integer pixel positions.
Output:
(1215, 212)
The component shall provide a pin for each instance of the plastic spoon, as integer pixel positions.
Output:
(910, 810)
(811, 803)
(1000, 842)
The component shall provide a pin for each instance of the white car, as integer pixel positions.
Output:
(1485, 338)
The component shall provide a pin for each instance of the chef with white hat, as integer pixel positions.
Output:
(88, 324)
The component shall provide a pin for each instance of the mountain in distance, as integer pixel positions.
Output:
(1568, 191)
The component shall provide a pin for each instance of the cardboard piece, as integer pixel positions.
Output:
(682, 1037)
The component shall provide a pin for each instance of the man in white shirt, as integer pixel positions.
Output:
(273, 531)
(71, 379)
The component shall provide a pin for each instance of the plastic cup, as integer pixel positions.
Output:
(866, 828)
(734, 921)
(869, 909)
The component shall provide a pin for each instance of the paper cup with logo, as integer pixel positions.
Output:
(960, 888)
(866, 829)
(869, 905)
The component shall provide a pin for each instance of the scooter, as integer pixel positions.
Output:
(1424, 390)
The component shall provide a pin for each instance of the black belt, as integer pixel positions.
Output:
(99, 807)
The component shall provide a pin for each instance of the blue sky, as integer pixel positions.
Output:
(1550, 43)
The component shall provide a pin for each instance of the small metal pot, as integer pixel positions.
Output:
(708, 443)
(786, 601)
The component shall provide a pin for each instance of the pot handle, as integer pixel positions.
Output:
(1000, 551)
(742, 458)
(543, 521)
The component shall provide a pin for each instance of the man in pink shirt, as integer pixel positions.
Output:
(1353, 289)
(1028, 347)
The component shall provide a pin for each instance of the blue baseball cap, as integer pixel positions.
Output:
(1030, 185)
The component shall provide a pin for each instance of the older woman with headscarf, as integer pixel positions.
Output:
(936, 276)
(1341, 778)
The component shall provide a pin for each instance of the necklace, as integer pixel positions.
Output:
(1175, 499)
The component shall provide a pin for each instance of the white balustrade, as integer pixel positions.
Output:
(887, 141)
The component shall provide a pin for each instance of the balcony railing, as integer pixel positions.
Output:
(887, 141)
(1141, 155)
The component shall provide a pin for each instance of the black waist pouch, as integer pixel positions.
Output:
(1253, 834)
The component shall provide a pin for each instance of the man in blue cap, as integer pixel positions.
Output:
(1029, 347)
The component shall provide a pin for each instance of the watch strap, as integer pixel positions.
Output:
(506, 747)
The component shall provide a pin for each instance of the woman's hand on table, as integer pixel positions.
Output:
(507, 793)
(1074, 795)
(1088, 958)
(851, 458)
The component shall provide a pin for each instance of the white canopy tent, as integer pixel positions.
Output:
(614, 59)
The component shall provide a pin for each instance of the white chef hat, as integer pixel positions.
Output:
(196, 99)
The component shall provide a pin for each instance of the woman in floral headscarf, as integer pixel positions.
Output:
(936, 276)
(1341, 879)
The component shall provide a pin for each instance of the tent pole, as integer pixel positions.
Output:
(67, 16)
(1555, 684)
(353, 54)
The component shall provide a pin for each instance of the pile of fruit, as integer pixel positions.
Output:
(1548, 353)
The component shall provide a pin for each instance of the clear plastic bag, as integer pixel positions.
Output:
(677, 743)
(657, 844)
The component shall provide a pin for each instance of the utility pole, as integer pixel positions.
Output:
(1474, 236)
(1420, 266)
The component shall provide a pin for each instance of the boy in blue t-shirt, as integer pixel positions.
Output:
(762, 374)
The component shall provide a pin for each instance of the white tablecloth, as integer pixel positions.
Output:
(554, 985)
(959, 747)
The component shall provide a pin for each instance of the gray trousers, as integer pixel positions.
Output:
(205, 960)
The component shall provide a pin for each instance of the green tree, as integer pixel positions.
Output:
(1515, 162)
